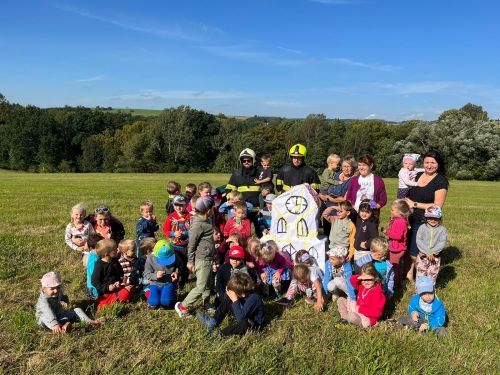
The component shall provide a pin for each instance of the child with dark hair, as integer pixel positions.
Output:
(242, 302)
(343, 230)
(173, 189)
(370, 302)
(190, 191)
(92, 241)
(366, 229)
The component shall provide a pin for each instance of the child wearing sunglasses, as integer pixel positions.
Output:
(370, 301)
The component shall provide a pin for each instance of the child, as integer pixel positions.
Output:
(146, 225)
(78, 231)
(426, 312)
(106, 224)
(274, 268)
(343, 230)
(227, 208)
(327, 177)
(227, 270)
(265, 190)
(265, 172)
(132, 266)
(338, 272)
(173, 189)
(307, 278)
(407, 175)
(147, 247)
(253, 250)
(51, 305)
(201, 254)
(238, 223)
(162, 272)
(176, 228)
(370, 302)
(379, 250)
(396, 231)
(204, 190)
(190, 191)
(94, 238)
(246, 306)
(431, 239)
(107, 276)
(265, 214)
(366, 229)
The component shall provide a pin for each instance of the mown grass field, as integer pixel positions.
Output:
(35, 210)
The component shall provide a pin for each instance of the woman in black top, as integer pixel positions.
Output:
(432, 187)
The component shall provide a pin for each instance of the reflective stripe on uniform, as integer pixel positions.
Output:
(248, 189)
(286, 187)
(315, 186)
(230, 187)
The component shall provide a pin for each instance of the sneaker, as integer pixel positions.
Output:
(283, 302)
(206, 320)
(182, 311)
(208, 307)
(343, 321)
(309, 300)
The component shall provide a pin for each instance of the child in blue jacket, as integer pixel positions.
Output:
(426, 312)
(338, 271)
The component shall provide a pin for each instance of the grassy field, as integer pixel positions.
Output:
(35, 210)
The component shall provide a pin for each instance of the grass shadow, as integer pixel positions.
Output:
(446, 274)
(450, 254)
(390, 305)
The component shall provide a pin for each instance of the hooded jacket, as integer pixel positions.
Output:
(435, 318)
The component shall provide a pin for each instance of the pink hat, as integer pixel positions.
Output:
(411, 158)
(51, 280)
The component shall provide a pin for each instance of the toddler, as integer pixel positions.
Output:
(265, 190)
(238, 223)
(94, 238)
(190, 191)
(338, 272)
(431, 239)
(162, 272)
(366, 229)
(307, 278)
(201, 254)
(235, 264)
(227, 208)
(50, 308)
(265, 214)
(426, 312)
(265, 172)
(253, 250)
(147, 247)
(146, 225)
(132, 266)
(78, 231)
(108, 275)
(274, 268)
(370, 301)
(379, 251)
(204, 190)
(407, 174)
(396, 231)
(343, 230)
(327, 177)
(173, 189)
(242, 302)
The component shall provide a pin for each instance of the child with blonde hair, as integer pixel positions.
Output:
(338, 272)
(78, 231)
(370, 302)
(397, 230)
(343, 230)
(132, 266)
(379, 251)
(146, 225)
(275, 269)
(327, 177)
(239, 222)
(407, 174)
(52, 303)
(227, 208)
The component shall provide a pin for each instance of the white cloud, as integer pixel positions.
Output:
(295, 51)
(242, 52)
(91, 79)
(371, 116)
(179, 95)
(349, 62)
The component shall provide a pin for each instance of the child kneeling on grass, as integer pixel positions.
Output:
(426, 312)
(240, 300)
(108, 275)
(51, 305)
(201, 255)
(370, 302)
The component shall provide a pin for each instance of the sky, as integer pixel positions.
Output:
(393, 60)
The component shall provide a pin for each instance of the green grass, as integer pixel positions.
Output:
(35, 210)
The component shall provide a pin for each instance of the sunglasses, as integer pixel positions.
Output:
(102, 210)
(246, 161)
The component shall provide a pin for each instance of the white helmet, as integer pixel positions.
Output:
(249, 153)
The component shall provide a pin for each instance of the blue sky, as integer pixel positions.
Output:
(395, 60)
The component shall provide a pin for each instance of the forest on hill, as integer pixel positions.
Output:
(183, 139)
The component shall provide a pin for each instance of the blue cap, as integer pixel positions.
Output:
(164, 253)
(424, 285)
(433, 211)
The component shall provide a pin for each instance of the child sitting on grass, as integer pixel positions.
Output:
(338, 272)
(132, 266)
(239, 222)
(162, 273)
(78, 231)
(366, 229)
(242, 302)
(426, 312)
(201, 255)
(275, 269)
(379, 250)
(369, 305)
(108, 275)
(146, 225)
(235, 264)
(50, 308)
(91, 261)
(431, 240)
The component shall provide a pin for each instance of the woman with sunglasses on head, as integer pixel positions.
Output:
(105, 224)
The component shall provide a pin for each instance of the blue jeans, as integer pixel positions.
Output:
(162, 295)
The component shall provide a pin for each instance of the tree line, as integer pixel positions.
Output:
(183, 139)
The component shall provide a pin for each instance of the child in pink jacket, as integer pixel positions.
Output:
(396, 232)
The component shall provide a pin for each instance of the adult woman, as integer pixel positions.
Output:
(366, 185)
(432, 187)
(105, 224)
(332, 202)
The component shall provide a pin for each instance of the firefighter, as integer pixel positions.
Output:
(297, 172)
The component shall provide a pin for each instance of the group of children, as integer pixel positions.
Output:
(212, 240)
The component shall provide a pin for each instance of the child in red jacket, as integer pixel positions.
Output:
(396, 232)
(370, 301)
(238, 223)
